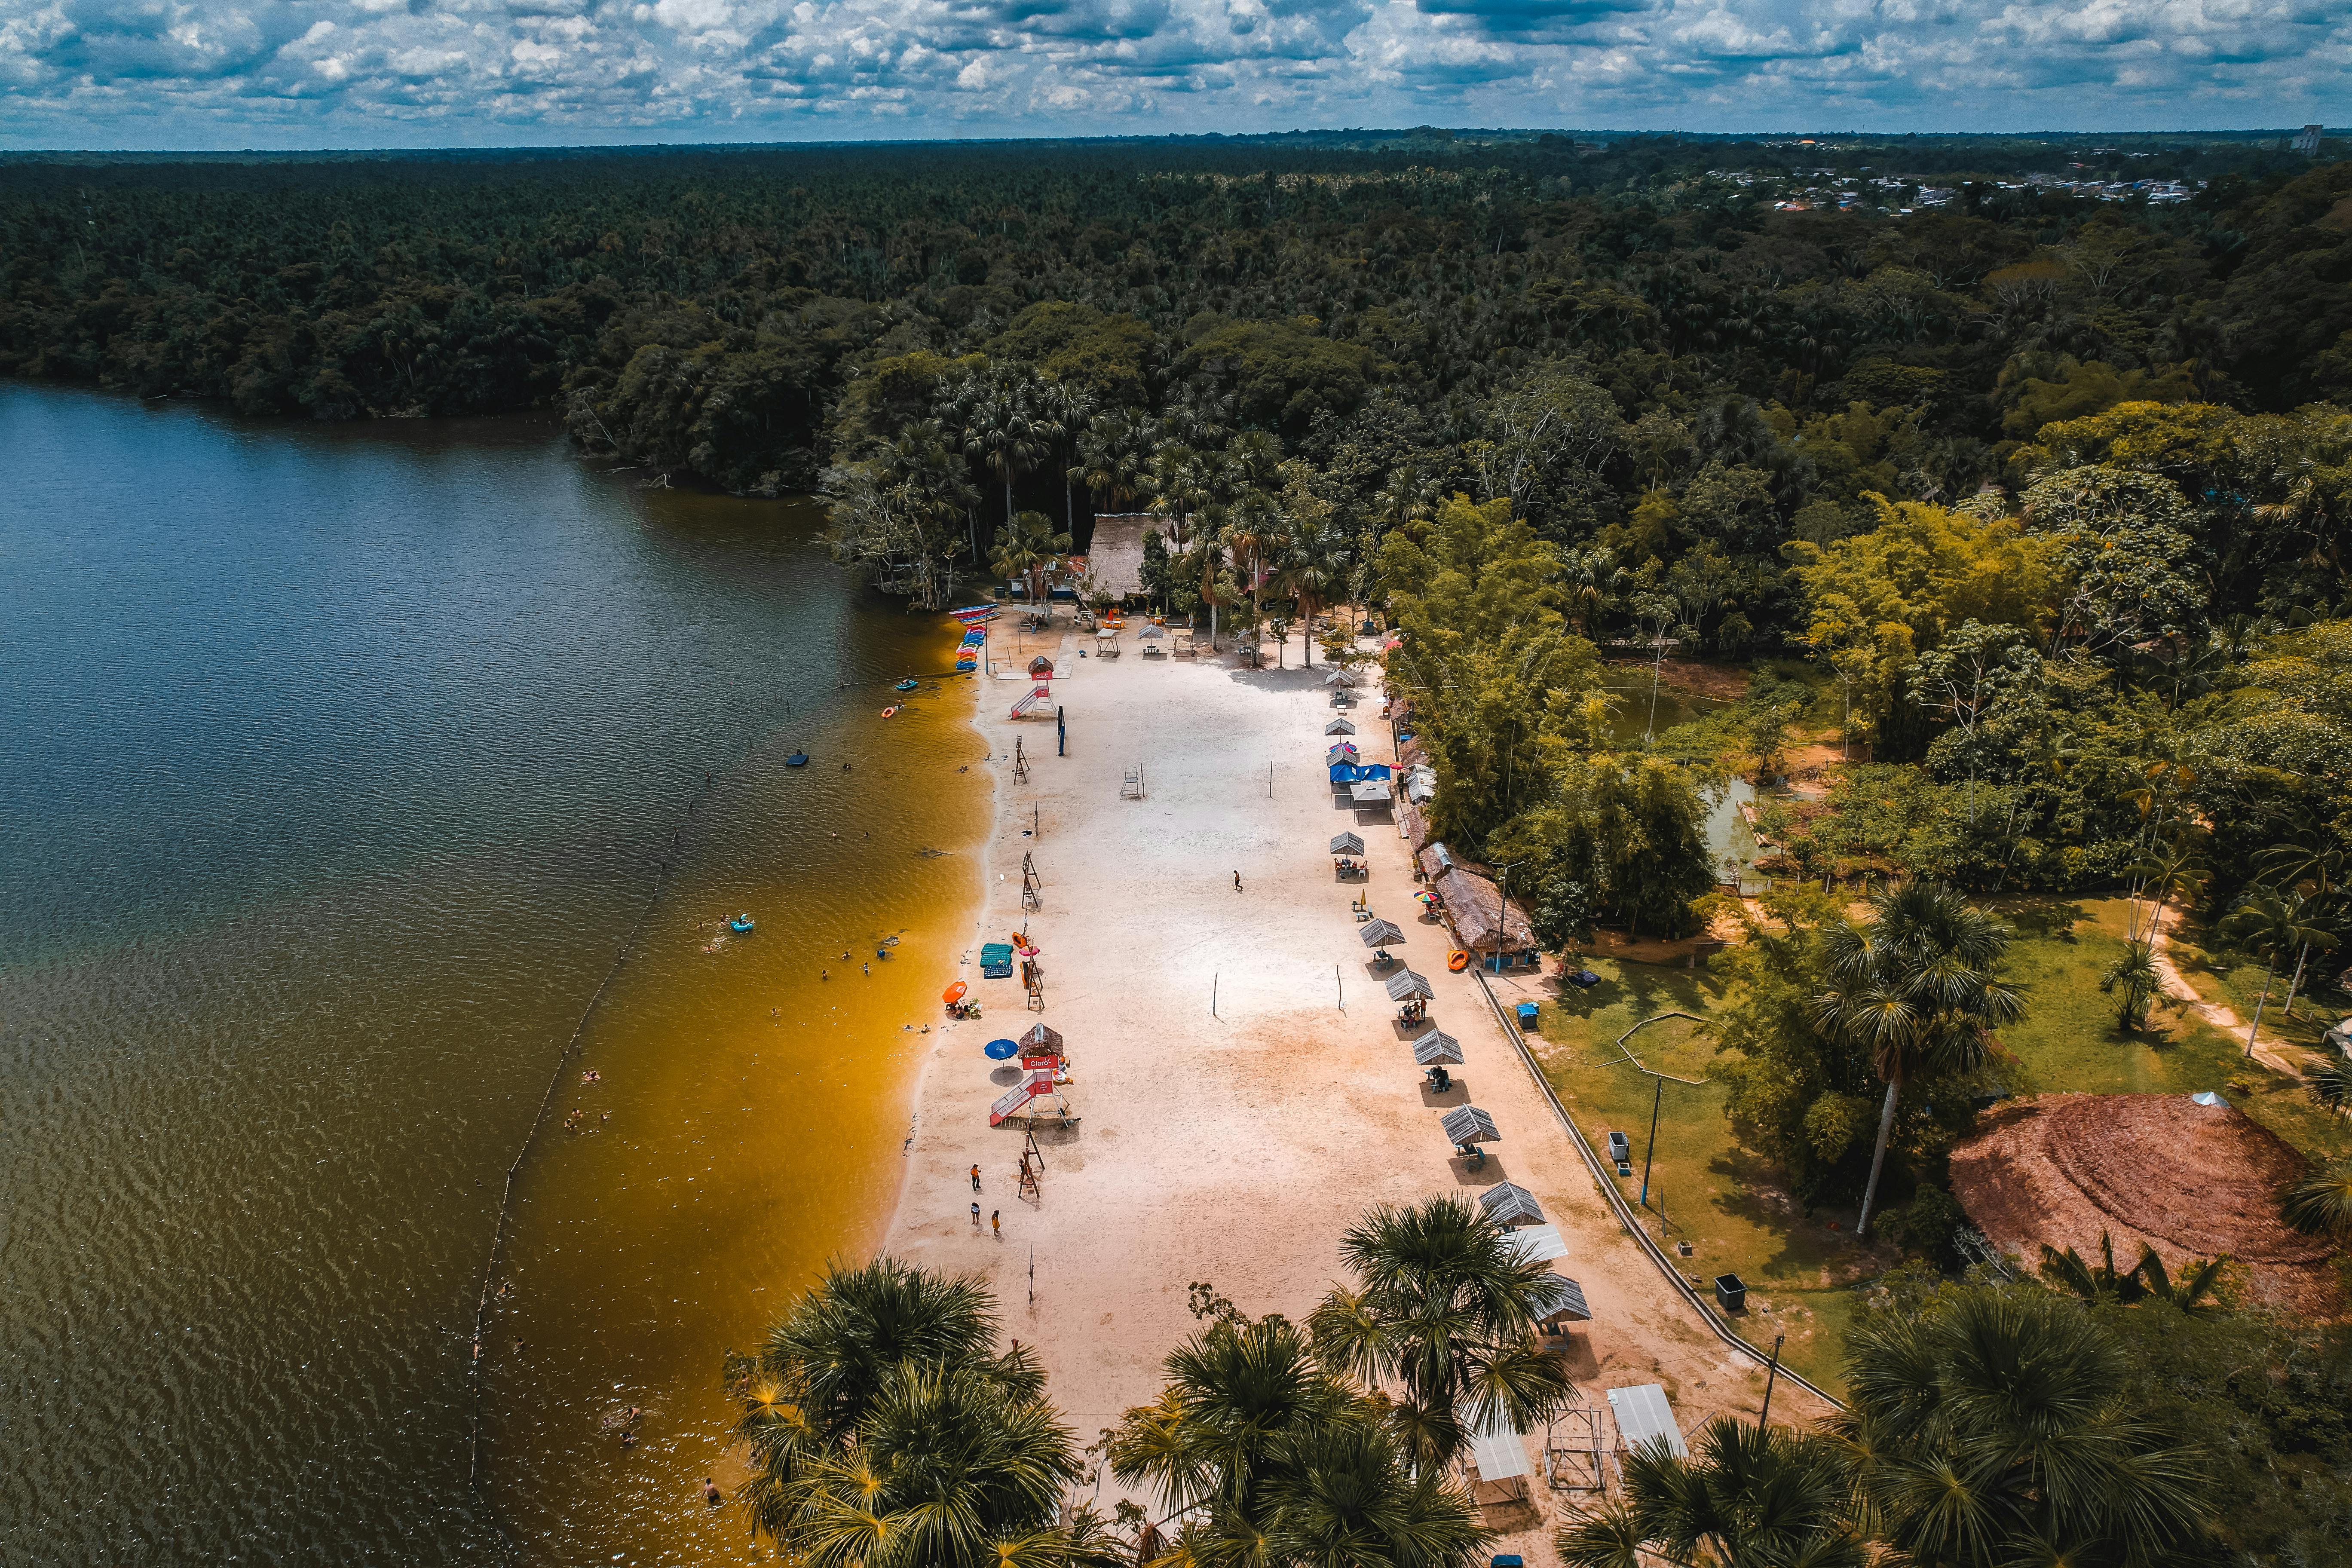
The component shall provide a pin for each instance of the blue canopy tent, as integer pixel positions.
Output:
(1348, 773)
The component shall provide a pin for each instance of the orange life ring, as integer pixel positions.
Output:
(953, 994)
(1458, 961)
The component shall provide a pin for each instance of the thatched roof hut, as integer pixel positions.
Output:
(1509, 1204)
(1479, 917)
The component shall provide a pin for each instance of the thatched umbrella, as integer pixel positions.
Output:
(1466, 1125)
(1339, 727)
(1381, 933)
(1152, 632)
(1437, 1049)
(1409, 988)
(1510, 1204)
(1340, 677)
(1347, 844)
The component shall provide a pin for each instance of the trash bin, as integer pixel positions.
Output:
(1729, 1293)
(1527, 1012)
(1620, 1149)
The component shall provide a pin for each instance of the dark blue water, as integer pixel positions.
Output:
(335, 763)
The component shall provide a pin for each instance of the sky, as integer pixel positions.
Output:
(284, 74)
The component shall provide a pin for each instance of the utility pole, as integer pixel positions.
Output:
(1501, 929)
(1770, 1373)
(1652, 1148)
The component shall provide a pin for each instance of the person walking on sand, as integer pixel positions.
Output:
(976, 1178)
(975, 1217)
(1237, 881)
(996, 1222)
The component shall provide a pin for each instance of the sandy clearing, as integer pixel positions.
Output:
(1232, 1147)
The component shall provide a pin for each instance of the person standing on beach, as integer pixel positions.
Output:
(1237, 881)
(976, 1178)
(996, 1222)
(975, 1225)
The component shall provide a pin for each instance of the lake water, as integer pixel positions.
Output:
(340, 763)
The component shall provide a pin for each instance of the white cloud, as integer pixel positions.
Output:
(203, 73)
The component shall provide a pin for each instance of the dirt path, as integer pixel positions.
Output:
(2273, 1053)
(1244, 1088)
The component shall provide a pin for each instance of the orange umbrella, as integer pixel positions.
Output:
(953, 994)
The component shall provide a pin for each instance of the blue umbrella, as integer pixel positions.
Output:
(999, 1049)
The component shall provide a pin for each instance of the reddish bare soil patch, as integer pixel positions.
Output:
(2188, 1179)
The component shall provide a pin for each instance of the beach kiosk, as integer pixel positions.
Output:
(1468, 1127)
(1436, 1051)
(1509, 1204)
(1346, 849)
(1411, 995)
(1645, 1419)
(1499, 1453)
(1536, 1243)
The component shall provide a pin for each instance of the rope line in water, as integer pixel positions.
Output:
(546, 1100)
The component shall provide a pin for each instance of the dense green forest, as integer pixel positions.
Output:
(2035, 450)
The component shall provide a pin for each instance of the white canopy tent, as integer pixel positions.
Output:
(1645, 1416)
(1536, 1243)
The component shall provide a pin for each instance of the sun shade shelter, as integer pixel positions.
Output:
(1342, 753)
(1381, 933)
(1041, 1038)
(1496, 1447)
(1340, 677)
(1557, 1298)
(1510, 1204)
(1339, 727)
(1536, 1243)
(1438, 1048)
(1467, 1124)
(1374, 791)
(1347, 844)
(1409, 988)
(1644, 1416)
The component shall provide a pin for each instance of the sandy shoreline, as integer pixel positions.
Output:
(1231, 1146)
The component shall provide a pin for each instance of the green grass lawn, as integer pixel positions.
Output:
(1733, 1208)
(2069, 1041)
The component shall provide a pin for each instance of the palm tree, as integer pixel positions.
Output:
(1028, 551)
(1180, 483)
(1007, 430)
(2133, 981)
(1113, 462)
(1593, 576)
(2321, 1202)
(1750, 1495)
(2272, 926)
(1918, 987)
(1265, 1456)
(1406, 497)
(2169, 874)
(1997, 1427)
(1444, 1307)
(1313, 566)
(2318, 866)
(2331, 1084)
(883, 1433)
(1069, 408)
(2144, 1280)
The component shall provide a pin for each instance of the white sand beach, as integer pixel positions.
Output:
(1235, 1145)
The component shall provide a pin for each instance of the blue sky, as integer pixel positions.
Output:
(209, 73)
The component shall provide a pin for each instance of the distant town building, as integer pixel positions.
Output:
(2307, 142)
